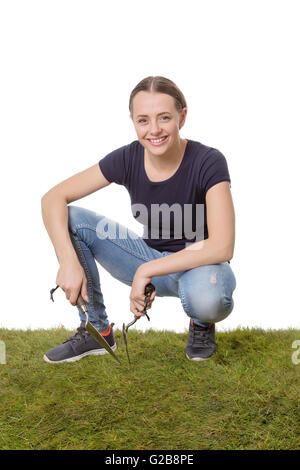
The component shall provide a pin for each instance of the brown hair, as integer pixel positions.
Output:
(161, 85)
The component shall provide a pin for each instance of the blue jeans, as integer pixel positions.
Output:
(205, 292)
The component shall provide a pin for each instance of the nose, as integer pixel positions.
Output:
(155, 128)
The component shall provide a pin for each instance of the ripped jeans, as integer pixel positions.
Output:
(205, 292)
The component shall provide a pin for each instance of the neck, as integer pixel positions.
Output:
(170, 158)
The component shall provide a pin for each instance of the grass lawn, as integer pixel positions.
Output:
(245, 397)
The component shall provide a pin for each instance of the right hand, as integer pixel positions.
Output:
(72, 280)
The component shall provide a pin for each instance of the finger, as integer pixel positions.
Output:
(70, 296)
(137, 311)
(149, 303)
(153, 295)
(73, 297)
(67, 293)
(134, 309)
(138, 305)
(84, 292)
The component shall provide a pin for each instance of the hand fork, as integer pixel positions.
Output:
(148, 291)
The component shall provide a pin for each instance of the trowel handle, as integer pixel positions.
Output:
(81, 304)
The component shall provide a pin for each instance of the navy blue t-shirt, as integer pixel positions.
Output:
(173, 211)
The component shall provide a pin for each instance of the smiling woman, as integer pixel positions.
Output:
(158, 110)
(180, 193)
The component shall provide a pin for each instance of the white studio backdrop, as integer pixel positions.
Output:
(68, 68)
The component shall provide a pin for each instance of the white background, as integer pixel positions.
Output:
(67, 70)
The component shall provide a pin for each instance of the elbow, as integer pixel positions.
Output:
(228, 253)
(44, 204)
(49, 194)
(225, 252)
(43, 199)
(222, 252)
(52, 198)
(46, 198)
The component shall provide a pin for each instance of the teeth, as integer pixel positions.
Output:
(157, 140)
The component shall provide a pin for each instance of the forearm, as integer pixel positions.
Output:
(55, 218)
(198, 254)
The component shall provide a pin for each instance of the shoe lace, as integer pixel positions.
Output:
(78, 336)
(201, 336)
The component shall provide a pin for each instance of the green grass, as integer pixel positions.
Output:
(245, 397)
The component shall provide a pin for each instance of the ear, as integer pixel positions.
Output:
(182, 117)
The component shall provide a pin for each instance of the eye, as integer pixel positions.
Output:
(143, 120)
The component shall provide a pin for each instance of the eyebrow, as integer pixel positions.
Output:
(145, 115)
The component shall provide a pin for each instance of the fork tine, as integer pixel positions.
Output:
(125, 340)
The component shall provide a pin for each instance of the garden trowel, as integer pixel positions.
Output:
(92, 330)
(89, 327)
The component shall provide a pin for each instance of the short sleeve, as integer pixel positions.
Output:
(113, 166)
(214, 170)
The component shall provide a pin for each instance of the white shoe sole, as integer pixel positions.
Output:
(92, 352)
(197, 358)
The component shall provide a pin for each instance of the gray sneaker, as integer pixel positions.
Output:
(80, 345)
(201, 343)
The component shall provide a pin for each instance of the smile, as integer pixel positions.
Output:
(158, 142)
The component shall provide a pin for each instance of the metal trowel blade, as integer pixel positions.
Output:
(92, 330)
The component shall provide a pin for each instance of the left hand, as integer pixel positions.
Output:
(137, 294)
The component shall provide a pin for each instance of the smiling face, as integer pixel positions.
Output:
(155, 117)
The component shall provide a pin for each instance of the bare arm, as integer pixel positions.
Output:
(55, 217)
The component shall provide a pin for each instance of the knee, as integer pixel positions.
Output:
(79, 217)
(74, 217)
(206, 306)
(206, 292)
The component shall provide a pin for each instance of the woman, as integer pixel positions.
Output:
(180, 192)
